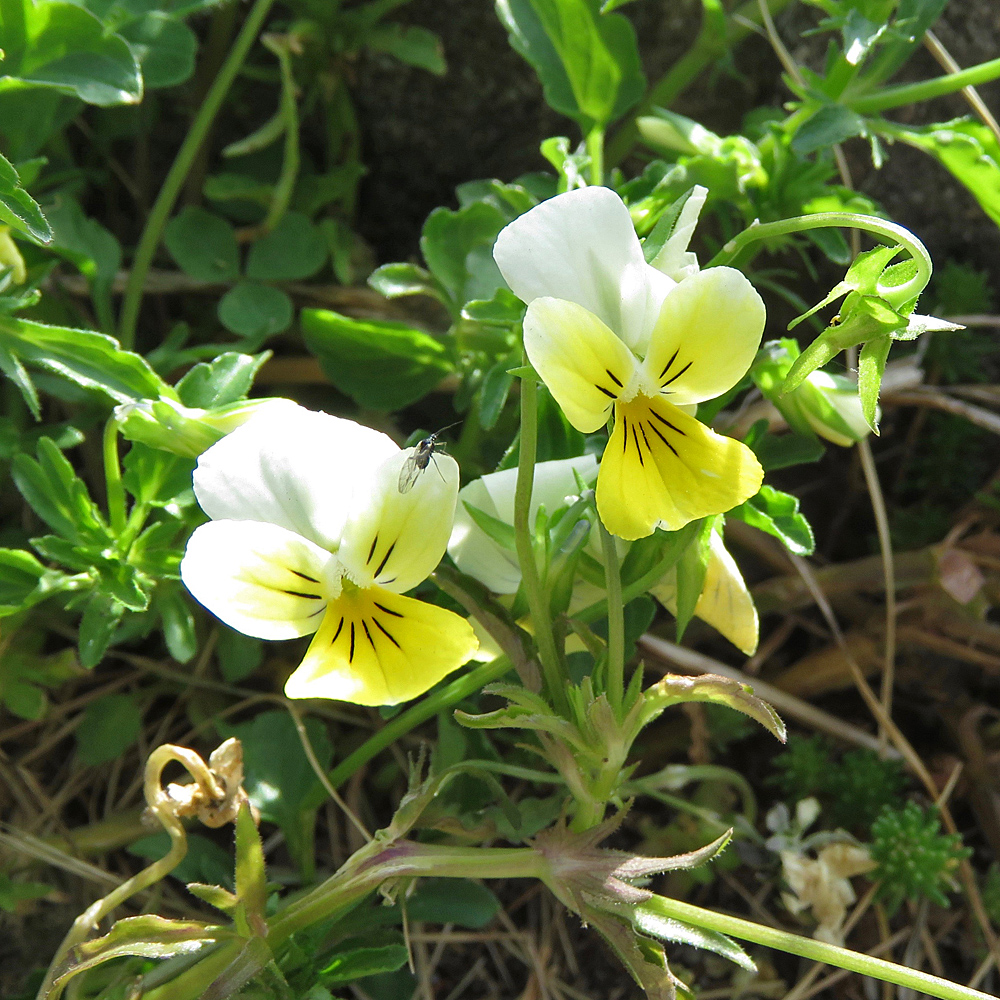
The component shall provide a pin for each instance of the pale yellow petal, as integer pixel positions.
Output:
(706, 336)
(395, 537)
(379, 648)
(725, 602)
(583, 363)
(663, 468)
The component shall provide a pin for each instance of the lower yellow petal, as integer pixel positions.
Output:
(663, 468)
(378, 648)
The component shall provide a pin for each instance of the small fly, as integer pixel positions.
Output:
(423, 454)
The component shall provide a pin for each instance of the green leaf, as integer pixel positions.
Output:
(87, 359)
(968, 150)
(226, 379)
(453, 901)
(12, 893)
(396, 280)
(458, 248)
(410, 44)
(178, 622)
(651, 917)
(239, 655)
(778, 514)
(279, 778)
(156, 477)
(20, 573)
(17, 208)
(714, 689)
(203, 244)
(97, 627)
(255, 311)
(830, 125)
(871, 367)
(504, 309)
(251, 879)
(691, 569)
(61, 46)
(163, 46)
(110, 725)
(501, 532)
(205, 860)
(588, 62)
(381, 364)
(293, 250)
(58, 496)
(355, 962)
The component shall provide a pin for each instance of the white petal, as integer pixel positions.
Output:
(293, 467)
(396, 538)
(260, 579)
(674, 258)
(581, 246)
(474, 551)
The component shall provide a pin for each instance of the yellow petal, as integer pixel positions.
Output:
(706, 336)
(663, 468)
(725, 602)
(579, 358)
(378, 648)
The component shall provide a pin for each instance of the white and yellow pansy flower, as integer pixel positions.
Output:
(607, 331)
(310, 533)
(725, 602)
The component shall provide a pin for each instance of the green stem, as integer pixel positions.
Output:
(894, 294)
(616, 620)
(285, 185)
(113, 479)
(818, 951)
(537, 604)
(183, 162)
(595, 147)
(393, 730)
(709, 46)
(910, 93)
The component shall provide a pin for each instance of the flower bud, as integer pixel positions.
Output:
(10, 257)
(184, 430)
(823, 404)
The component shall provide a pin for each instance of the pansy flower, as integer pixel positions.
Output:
(310, 532)
(607, 332)
(725, 602)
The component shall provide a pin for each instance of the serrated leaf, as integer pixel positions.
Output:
(871, 367)
(17, 208)
(87, 359)
(652, 917)
(674, 689)
(97, 626)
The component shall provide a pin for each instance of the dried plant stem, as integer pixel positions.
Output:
(889, 573)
